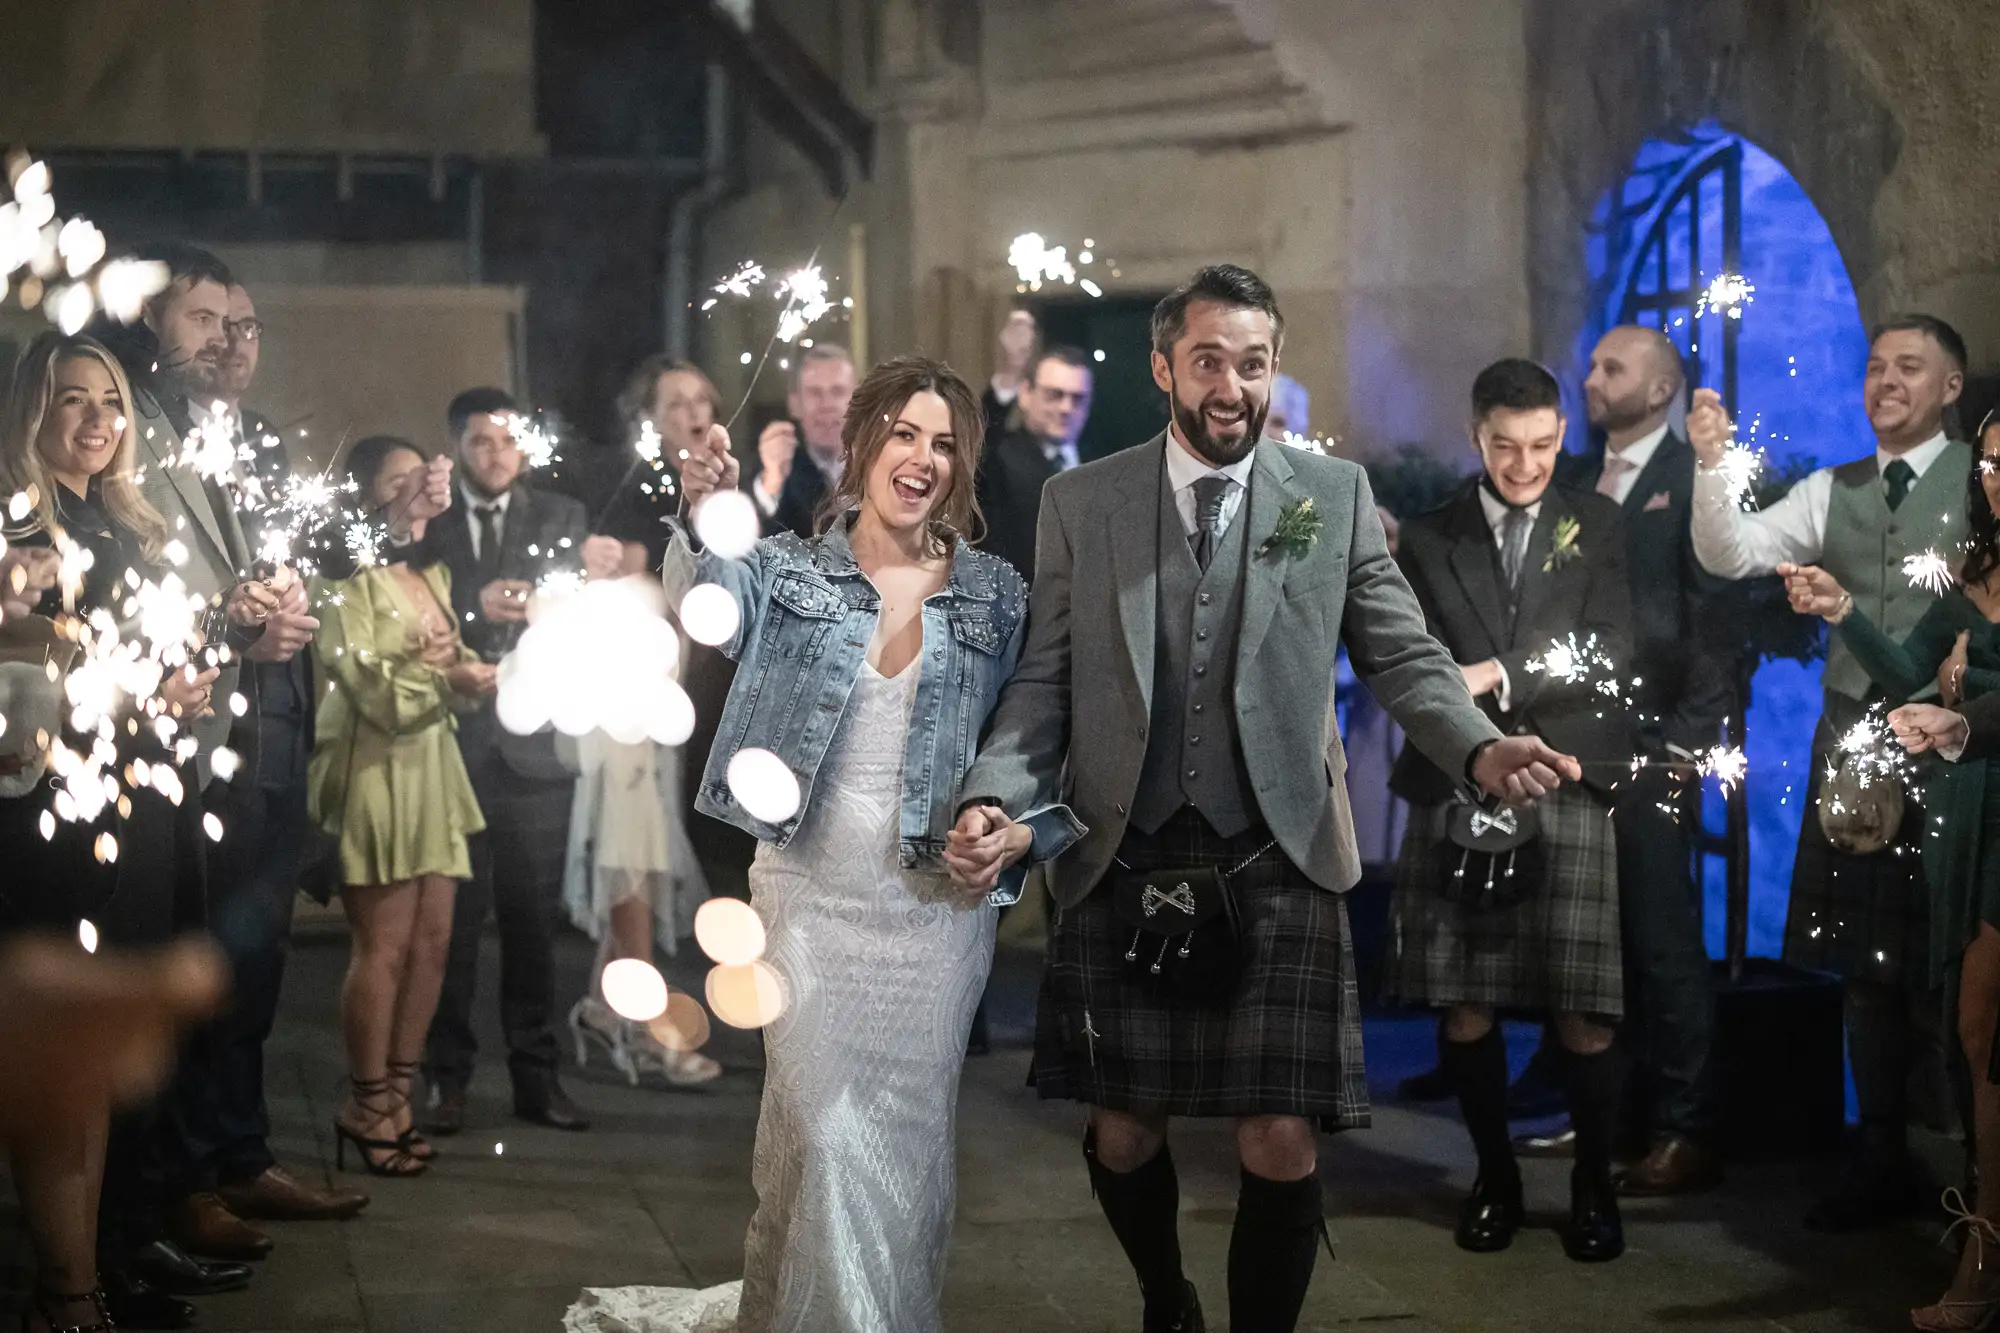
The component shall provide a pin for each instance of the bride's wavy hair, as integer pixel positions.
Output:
(871, 417)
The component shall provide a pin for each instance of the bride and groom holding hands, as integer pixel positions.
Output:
(1145, 725)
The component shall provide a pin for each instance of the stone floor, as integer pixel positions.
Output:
(514, 1220)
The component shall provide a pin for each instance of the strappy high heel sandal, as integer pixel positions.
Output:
(45, 1302)
(586, 1017)
(398, 1160)
(402, 1074)
(1966, 1314)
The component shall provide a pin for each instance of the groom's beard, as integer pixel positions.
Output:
(1193, 424)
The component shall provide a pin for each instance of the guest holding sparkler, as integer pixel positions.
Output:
(1509, 573)
(1863, 915)
(501, 537)
(631, 878)
(70, 438)
(870, 657)
(388, 782)
(800, 458)
(227, 1172)
(1956, 645)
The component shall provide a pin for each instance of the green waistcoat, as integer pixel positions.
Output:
(1866, 544)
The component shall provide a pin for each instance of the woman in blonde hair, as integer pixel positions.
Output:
(134, 869)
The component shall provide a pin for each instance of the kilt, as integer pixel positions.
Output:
(1287, 1043)
(1866, 917)
(1558, 949)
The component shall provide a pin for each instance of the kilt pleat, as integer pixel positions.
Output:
(1287, 1043)
(1558, 949)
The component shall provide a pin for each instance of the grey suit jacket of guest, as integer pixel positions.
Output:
(1072, 722)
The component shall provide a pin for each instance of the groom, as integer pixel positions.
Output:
(1189, 598)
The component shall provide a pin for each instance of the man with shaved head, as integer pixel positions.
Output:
(1635, 379)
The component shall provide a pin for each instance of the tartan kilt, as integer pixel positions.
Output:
(1559, 949)
(1288, 1043)
(1866, 917)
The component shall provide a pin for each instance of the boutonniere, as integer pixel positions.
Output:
(1565, 549)
(1297, 530)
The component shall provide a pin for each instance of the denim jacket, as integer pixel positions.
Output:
(808, 616)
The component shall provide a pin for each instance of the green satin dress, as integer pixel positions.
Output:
(1961, 845)
(386, 777)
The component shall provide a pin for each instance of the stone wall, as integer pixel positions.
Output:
(1884, 110)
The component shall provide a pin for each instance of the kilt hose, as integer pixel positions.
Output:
(1288, 1042)
(1559, 949)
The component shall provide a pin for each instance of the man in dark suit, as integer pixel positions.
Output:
(497, 540)
(1511, 573)
(1684, 696)
(799, 458)
(1054, 405)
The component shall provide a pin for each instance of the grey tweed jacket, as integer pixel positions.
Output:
(1072, 722)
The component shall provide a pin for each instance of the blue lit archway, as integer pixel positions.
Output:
(1693, 206)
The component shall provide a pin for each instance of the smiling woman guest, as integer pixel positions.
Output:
(869, 658)
(68, 440)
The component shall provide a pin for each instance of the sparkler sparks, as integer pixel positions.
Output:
(805, 296)
(33, 237)
(538, 443)
(1036, 262)
(1572, 663)
(1726, 296)
(1726, 764)
(649, 443)
(1740, 467)
(1930, 571)
(1871, 752)
(747, 277)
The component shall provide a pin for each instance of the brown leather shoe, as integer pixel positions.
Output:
(1676, 1165)
(276, 1196)
(202, 1225)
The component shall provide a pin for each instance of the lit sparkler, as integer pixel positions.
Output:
(1726, 296)
(1870, 750)
(805, 295)
(1726, 764)
(1572, 663)
(1930, 571)
(649, 443)
(747, 277)
(1036, 262)
(538, 443)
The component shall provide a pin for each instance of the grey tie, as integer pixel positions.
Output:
(1208, 497)
(1514, 530)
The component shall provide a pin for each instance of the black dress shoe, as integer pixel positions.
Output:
(1187, 1320)
(1491, 1216)
(1595, 1232)
(134, 1303)
(544, 1102)
(169, 1268)
(1433, 1085)
(444, 1111)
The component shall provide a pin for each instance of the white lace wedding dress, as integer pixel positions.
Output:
(854, 1166)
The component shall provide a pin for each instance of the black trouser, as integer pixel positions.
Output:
(1669, 990)
(517, 866)
(220, 1124)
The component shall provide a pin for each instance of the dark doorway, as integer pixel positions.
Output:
(1116, 332)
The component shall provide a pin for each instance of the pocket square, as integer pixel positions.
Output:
(1660, 500)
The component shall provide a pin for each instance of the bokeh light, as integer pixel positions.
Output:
(683, 1027)
(635, 989)
(762, 785)
(751, 996)
(709, 614)
(729, 931)
(727, 524)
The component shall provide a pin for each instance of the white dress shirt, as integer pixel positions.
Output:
(1060, 452)
(1185, 468)
(473, 503)
(1635, 455)
(1496, 518)
(1740, 545)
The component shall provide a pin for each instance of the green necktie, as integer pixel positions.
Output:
(1900, 476)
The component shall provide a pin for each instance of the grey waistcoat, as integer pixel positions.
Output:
(1865, 546)
(1193, 755)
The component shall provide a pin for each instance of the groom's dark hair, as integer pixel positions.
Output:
(1516, 384)
(1224, 284)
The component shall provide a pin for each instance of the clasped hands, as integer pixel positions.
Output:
(981, 845)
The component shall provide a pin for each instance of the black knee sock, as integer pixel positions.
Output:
(1272, 1251)
(1878, 1050)
(1143, 1207)
(1593, 1110)
(1478, 1071)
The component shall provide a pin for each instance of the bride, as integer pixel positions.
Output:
(869, 659)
